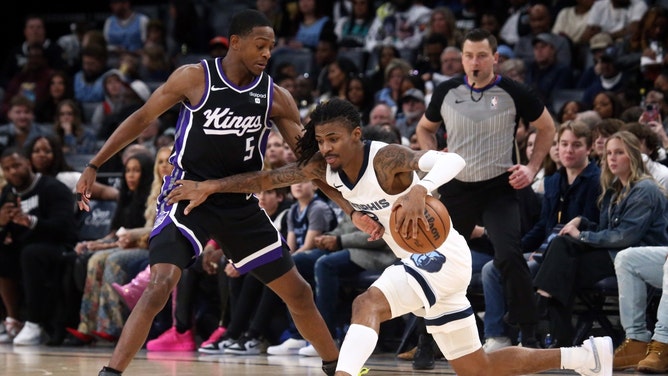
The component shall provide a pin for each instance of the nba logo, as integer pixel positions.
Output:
(493, 103)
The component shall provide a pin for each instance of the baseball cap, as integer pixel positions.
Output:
(413, 93)
(546, 38)
(219, 40)
(505, 50)
(600, 41)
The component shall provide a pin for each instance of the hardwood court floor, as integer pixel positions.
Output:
(64, 361)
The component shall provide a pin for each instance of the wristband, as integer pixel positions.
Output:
(351, 214)
(94, 167)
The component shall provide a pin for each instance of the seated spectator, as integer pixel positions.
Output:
(540, 21)
(608, 105)
(60, 87)
(34, 32)
(135, 95)
(88, 85)
(402, 24)
(395, 72)
(351, 30)
(637, 267)
(549, 166)
(515, 69)
(381, 57)
(312, 23)
(589, 117)
(569, 111)
(570, 192)
(74, 135)
(615, 17)
(649, 146)
(381, 114)
(32, 81)
(600, 133)
(610, 78)
(633, 213)
(38, 227)
(571, 21)
(599, 45)
(22, 127)
(47, 158)
(413, 107)
(428, 60)
(114, 85)
(154, 66)
(102, 313)
(339, 73)
(360, 95)
(125, 29)
(545, 74)
(442, 21)
(450, 66)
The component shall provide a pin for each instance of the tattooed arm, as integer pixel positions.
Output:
(250, 182)
(395, 166)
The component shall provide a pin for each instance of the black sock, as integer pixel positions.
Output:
(107, 371)
(329, 367)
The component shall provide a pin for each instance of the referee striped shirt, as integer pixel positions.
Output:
(481, 123)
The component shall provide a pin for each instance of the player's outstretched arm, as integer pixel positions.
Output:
(250, 182)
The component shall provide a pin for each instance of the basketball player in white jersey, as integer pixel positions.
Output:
(376, 178)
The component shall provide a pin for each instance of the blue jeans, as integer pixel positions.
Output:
(329, 270)
(635, 268)
(495, 297)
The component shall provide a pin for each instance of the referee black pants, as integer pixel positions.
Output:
(494, 203)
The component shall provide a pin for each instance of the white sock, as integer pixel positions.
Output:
(357, 347)
(573, 357)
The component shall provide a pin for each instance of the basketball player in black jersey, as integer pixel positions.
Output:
(228, 107)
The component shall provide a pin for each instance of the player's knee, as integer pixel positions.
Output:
(367, 304)
(299, 298)
(161, 285)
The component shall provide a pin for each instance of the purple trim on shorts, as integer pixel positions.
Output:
(268, 257)
(182, 124)
(167, 221)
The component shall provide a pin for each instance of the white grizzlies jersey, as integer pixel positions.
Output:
(436, 268)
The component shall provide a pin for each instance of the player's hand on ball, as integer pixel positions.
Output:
(409, 211)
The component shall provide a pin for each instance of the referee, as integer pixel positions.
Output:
(481, 112)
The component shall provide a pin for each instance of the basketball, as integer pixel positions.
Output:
(428, 239)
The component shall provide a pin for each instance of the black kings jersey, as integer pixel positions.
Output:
(226, 132)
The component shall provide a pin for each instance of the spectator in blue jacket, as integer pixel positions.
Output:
(634, 213)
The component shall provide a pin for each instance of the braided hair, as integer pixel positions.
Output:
(335, 109)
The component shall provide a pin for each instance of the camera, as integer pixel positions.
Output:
(650, 113)
(12, 197)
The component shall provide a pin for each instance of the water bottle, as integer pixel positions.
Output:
(547, 341)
